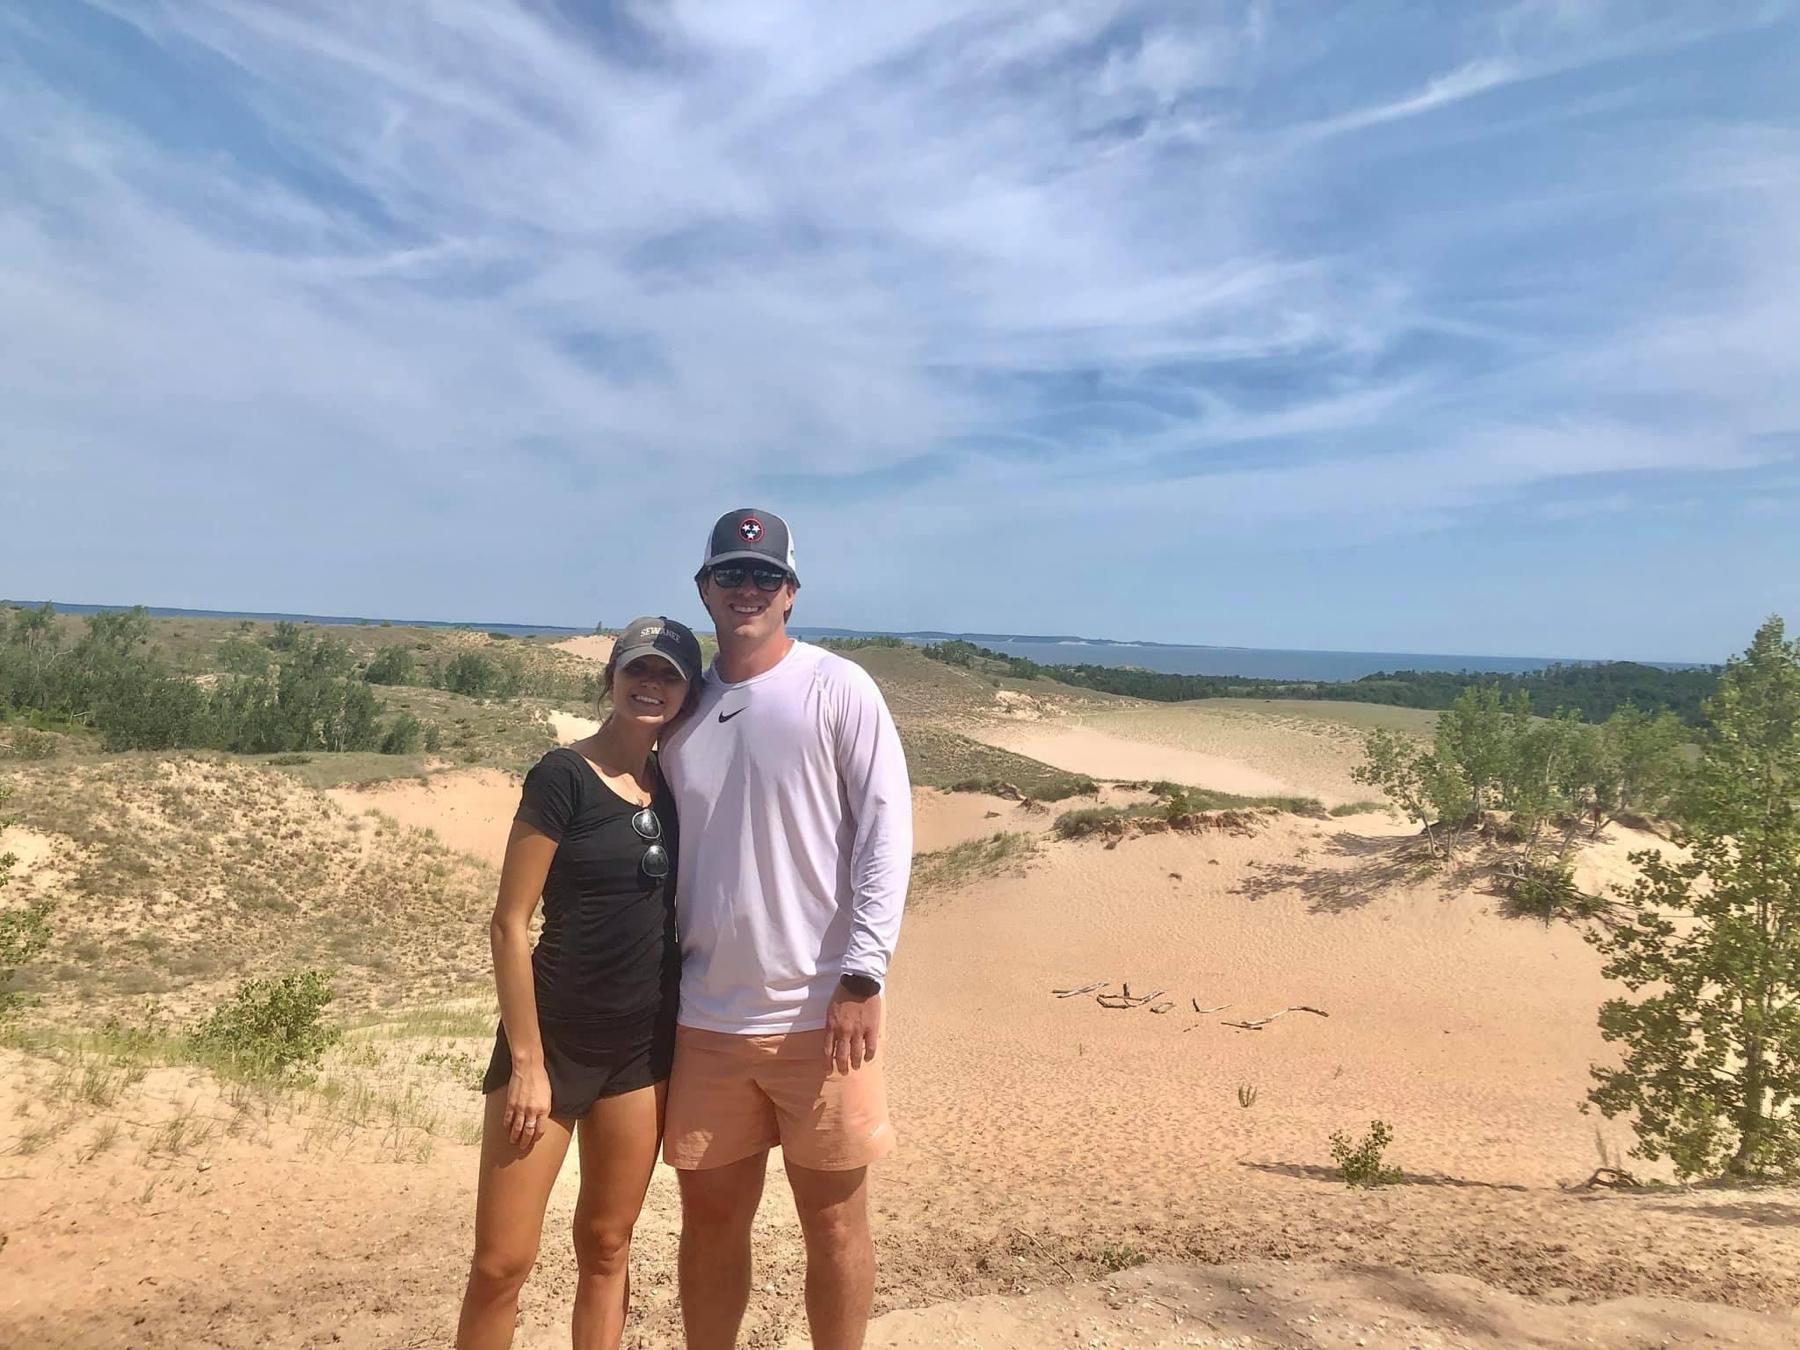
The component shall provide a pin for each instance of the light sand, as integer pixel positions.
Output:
(569, 727)
(1037, 1135)
(471, 810)
(1246, 1307)
(1100, 754)
(1254, 750)
(594, 647)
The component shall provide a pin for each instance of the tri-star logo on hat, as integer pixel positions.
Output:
(750, 535)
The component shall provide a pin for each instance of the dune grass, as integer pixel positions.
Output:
(181, 874)
(941, 758)
(962, 863)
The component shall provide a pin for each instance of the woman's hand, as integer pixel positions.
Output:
(527, 1106)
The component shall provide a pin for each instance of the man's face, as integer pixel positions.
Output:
(745, 613)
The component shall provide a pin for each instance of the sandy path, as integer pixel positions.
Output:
(1100, 754)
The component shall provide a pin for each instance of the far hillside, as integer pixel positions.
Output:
(1594, 691)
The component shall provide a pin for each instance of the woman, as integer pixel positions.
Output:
(587, 1020)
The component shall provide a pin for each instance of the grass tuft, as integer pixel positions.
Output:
(962, 863)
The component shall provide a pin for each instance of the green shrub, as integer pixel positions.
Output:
(270, 1026)
(403, 735)
(471, 673)
(29, 743)
(1545, 889)
(1085, 820)
(1361, 1162)
(391, 665)
(1117, 1256)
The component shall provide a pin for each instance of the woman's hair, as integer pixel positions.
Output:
(612, 668)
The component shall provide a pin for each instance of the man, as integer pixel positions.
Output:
(796, 819)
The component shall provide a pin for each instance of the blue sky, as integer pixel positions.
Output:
(1462, 327)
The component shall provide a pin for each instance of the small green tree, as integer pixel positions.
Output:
(391, 665)
(470, 673)
(1711, 1062)
(270, 1026)
(1642, 761)
(1361, 1162)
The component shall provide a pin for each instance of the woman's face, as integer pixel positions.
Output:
(649, 691)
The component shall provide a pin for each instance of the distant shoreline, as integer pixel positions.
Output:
(1047, 649)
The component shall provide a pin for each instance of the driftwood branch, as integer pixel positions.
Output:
(1162, 1007)
(1259, 1023)
(1609, 1176)
(1127, 999)
(1197, 1008)
(1085, 989)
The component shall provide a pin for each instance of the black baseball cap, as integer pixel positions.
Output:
(655, 635)
(750, 535)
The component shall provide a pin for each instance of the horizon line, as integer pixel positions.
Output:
(174, 611)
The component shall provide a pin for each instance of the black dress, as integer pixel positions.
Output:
(607, 967)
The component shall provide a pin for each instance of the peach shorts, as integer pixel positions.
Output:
(731, 1096)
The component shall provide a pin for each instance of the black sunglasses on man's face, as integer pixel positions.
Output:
(729, 576)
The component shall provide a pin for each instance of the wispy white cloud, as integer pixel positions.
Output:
(1122, 262)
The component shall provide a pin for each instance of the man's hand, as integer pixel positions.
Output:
(852, 1028)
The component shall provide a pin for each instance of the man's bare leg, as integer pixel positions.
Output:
(840, 1254)
(718, 1205)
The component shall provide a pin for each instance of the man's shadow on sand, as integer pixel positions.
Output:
(1379, 863)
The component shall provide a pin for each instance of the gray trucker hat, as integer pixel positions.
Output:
(655, 635)
(750, 535)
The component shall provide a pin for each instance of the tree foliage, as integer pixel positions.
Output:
(1491, 754)
(296, 693)
(1711, 1056)
(271, 1026)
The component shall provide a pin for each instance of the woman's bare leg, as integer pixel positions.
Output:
(509, 1217)
(619, 1137)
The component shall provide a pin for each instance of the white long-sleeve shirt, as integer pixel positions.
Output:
(796, 842)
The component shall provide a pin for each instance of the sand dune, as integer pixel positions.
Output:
(469, 809)
(1099, 754)
(1041, 1139)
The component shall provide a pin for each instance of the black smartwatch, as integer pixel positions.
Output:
(863, 986)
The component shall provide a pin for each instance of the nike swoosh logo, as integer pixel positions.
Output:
(726, 717)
